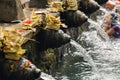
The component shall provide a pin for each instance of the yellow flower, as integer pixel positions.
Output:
(21, 51)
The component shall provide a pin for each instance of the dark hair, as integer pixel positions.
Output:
(114, 16)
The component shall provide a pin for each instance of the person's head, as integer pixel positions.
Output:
(117, 9)
(108, 18)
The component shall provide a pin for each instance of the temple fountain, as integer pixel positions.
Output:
(42, 42)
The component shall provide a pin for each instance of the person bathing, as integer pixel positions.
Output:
(111, 23)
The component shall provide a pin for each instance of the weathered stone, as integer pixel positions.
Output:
(73, 18)
(10, 10)
(101, 1)
(17, 70)
(38, 3)
(24, 1)
(74, 32)
(52, 39)
(88, 6)
(36, 50)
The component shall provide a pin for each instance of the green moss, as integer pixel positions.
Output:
(49, 51)
(50, 56)
(49, 59)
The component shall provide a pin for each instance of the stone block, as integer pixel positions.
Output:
(38, 3)
(10, 10)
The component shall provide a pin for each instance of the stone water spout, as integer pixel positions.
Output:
(52, 39)
(101, 1)
(18, 70)
(88, 6)
(73, 18)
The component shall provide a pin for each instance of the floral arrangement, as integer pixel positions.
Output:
(12, 42)
(11, 38)
(52, 22)
(31, 22)
(72, 5)
(56, 6)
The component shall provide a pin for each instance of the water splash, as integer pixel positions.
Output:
(107, 60)
(100, 31)
(86, 56)
(102, 34)
(45, 76)
(98, 27)
(104, 10)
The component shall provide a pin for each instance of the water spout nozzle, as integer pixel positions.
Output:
(37, 73)
(64, 34)
(86, 17)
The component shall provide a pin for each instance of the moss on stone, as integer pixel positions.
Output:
(49, 59)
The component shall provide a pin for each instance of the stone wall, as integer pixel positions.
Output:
(10, 10)
(38, 3)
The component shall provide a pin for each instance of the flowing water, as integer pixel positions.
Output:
(100, 31)
(45, 76)
(105, 61)
(84, 53)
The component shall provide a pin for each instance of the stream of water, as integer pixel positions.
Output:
(100, 63)
(84, 53)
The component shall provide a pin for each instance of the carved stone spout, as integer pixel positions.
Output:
(52, 39)
(88, 6)
(17, 70)
(73, 18)
(101, 1)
